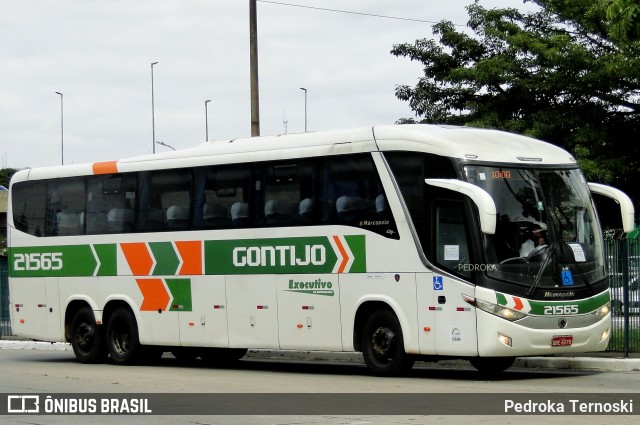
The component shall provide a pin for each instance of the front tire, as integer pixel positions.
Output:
(122, 337)
(87, 338)
(383, 345)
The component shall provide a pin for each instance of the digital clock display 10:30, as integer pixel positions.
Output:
(500, 174)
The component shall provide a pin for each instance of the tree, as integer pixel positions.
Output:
(623, 18)
(5, 176)
(567, 73)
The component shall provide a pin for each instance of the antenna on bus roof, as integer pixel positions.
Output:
(284, 121)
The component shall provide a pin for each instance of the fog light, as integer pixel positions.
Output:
(506, 340)
(605, 335)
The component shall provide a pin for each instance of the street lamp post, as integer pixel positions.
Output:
(153, 113)
(61, 127)
(206, 120)
(305, 108)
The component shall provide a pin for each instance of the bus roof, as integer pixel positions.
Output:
(457, 142)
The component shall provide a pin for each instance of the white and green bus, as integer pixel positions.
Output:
(406, 243)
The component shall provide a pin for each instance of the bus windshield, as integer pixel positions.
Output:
(547, 235)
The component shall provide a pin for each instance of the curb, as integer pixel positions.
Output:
(575, 363)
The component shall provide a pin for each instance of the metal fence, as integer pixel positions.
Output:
(5, 323)
(624, 267)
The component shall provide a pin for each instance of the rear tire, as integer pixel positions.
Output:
(122, 338)
(383, 345)
(87, 338)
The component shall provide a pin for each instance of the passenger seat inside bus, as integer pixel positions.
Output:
(382, 208)
(350, 208)
(240, 213)
(214, 215)
(177, 217)
(279, 212)
(120, 220)
(306, 210)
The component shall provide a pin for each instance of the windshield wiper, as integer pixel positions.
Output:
(551, 253)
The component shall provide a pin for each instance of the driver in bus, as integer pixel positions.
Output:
(535, 242)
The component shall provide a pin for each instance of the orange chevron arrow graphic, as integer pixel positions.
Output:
(154, 295)
(343, 252)
(138, 257)
(518, 303)
(191, 254)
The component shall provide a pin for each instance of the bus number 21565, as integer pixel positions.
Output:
(37, 261)
(561, 309)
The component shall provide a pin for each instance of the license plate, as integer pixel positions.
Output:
(561, 341)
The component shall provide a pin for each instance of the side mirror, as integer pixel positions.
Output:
(626, 206)
(479, 196)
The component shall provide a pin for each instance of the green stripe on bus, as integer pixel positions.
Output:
(167, 260)
(107, 256)
(53, 261)
(584, 306)
(181, 291)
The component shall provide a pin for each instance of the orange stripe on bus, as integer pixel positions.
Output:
(154, 295)
(106, 167)
(138, 258)
(518, 303)
(191, 254)
(343, 252)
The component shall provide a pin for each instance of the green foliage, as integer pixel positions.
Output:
(568, 73)
(5, 176)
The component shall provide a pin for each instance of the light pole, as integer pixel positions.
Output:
(153, 112)
(61, 127)
(253, 69)
(206, 120)
(305, 108)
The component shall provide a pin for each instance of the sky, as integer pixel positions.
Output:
(98, 54)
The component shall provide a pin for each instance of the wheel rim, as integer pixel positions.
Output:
(383, 344)
(85, 337)
(121, 339)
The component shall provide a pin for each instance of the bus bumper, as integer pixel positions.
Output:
(498, 337)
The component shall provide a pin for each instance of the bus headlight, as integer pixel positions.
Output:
(603, 311)
(499, 310)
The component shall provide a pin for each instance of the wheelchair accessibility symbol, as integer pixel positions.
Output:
(437, 283)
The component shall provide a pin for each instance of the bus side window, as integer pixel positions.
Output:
(289, 193)
(451, 241)
(222, 197)
(29, 207)
(111, 203)
(167, 204)
(66, 207)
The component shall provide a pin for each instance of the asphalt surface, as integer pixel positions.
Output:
(606, 361)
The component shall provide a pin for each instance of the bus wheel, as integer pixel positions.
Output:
(87, 338)
(122, 337)
(492, 365)
(383, 346)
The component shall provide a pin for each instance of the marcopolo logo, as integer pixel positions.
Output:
(317, 254)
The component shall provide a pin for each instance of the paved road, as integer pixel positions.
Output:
(54, 372)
